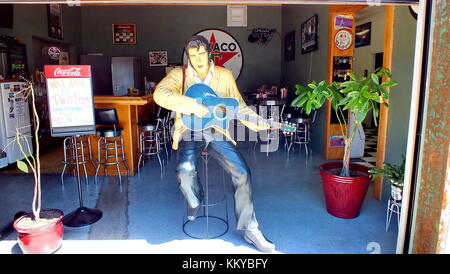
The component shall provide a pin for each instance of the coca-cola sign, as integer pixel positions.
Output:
(67, 71)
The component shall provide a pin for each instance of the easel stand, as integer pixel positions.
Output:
(82, 216)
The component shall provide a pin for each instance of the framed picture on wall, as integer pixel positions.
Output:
(157, 58)
(362, 34)
(309, 35)
(124, 34)
(54, 17)
(289, 46)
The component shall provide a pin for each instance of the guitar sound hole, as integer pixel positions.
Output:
(220, 111)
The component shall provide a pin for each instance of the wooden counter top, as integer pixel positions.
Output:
(123, 100)
(130, 110)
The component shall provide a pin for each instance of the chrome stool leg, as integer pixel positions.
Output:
(117, 159)
(207, 203)
(74, 154)
(150, 145)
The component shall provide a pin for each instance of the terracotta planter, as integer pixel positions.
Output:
(43, 239)
(344, 196)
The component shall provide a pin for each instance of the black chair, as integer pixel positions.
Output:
(110, 140)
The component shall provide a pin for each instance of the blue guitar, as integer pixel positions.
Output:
(221, 111)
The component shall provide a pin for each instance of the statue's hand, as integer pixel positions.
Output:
(200, 110)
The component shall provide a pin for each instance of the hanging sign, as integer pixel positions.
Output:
(225, 50)
(343, 22)
(261, 35)
(343, 39)
(70, 100)
(53, 53)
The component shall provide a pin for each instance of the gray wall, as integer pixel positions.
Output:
(168, 27)
(88, 29)
(31, 21)
(307, 67)
(400, 99)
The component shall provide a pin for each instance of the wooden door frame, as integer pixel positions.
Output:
(384, 111)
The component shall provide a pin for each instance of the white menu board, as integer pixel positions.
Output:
(70, 102)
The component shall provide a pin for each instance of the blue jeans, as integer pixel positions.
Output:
(227, 155)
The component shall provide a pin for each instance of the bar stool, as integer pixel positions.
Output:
(82, 143)
(208, 225)
(270, 109)
(164, 130)
(149, 140)
(110, 140)
(302, 136)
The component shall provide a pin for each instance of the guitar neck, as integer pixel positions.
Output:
(254, 119)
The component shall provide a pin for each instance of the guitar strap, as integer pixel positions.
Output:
(183, 68)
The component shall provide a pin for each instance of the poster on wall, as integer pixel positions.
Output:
(157, 58)
(289, 46)
(70, 100)
(55, 26)
(343, 22)
(309, 35)
(337, 141)
(362, 35)
(225, 50)
(124, 34)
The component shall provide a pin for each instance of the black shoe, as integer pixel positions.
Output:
(192, 213)
(256, 238)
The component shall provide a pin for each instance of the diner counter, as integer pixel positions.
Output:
(130, 109)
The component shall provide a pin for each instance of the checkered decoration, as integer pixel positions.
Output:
(124, 37)
(370, 149)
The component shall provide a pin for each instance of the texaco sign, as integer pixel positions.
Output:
(225, 50)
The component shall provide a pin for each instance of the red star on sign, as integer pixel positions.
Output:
(219, 57)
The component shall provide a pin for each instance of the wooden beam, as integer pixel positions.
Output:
(384, 111)
(215, 2)
(336, 153)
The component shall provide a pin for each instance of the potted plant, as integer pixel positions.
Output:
(345, 184)
(394, 174)
(39, 231)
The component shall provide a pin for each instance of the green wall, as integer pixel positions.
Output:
(168, 27)
(307, 67)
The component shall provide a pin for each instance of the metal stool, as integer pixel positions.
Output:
(207, 225)
(81, 143)
(270, 109)
(302, 136)
(110, 140)
(149, 140)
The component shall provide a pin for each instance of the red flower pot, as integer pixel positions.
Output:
(344, 195)
(43, 239)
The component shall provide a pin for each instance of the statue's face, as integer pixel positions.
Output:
(199, 60)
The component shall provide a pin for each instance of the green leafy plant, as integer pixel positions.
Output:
(359, 95)
(394, 174)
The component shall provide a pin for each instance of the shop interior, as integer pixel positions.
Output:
(130, 48)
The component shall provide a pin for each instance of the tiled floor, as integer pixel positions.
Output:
(370, 148)
(144, 213)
